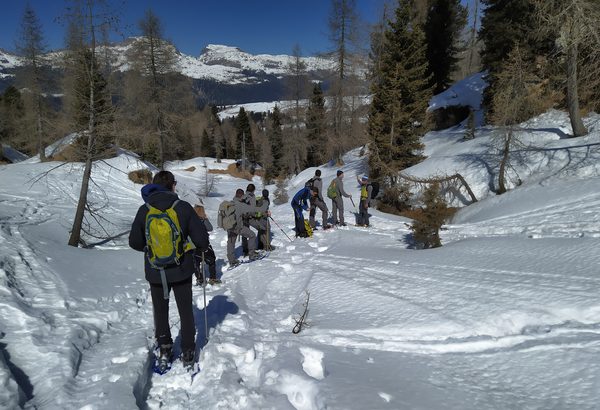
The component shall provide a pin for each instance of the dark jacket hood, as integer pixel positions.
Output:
(149, 189)
(158, 196)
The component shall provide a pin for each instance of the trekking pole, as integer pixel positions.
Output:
(351, 200)
(204, 291)
(268, 237)
(280, 228)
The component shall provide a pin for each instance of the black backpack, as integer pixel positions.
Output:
(310, 183)
(375, 191)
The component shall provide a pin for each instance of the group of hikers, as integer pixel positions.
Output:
(173, 235)
(312, 196)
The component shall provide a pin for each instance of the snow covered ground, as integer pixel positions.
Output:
(506, 315)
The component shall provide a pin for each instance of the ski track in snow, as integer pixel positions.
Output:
(489, 321)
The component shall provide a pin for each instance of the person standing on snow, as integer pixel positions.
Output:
(250, 199)
(242, 211)
(262, 222)
(365, 201)
(299, 203)
(208, 255)
(338, 201)
(178, 277)
(317, 202)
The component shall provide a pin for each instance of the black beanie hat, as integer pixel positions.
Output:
(265, 193)
(340, 172)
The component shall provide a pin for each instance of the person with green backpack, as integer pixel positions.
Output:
(336, 193)
(160, 230)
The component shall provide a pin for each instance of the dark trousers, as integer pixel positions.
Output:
(210, 259)
(363, 213)
(183, 297)
(299, 221)
(314, 204)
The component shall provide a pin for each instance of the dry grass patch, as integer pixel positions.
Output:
(232, 170)
(140, 176)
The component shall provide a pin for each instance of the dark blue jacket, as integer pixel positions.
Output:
(191, 226)
(301, 199)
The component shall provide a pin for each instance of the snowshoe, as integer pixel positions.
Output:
(162, 363)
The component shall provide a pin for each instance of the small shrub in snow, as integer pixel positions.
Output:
(280, 195)
(426, 227)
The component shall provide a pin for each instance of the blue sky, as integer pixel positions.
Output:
(256, 26)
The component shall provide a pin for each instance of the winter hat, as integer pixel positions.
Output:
(340, 172)
(365, 178)
(265, 193)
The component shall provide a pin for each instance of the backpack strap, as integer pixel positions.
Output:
(165, 286)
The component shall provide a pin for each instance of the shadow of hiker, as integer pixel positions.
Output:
(24, 386)
(217, 309)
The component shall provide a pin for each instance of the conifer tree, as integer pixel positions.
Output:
(504, 24)
(398, 110)
(32, 47)
(12, 113)
(244, 136)
(207, 145)
(316, 128)
(93, 110)
(275, 136)
(443, 27)
(154, 59)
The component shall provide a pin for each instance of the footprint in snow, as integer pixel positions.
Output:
(302, 393)
(312, 362)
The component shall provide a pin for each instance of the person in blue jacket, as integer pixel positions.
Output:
(301, 202)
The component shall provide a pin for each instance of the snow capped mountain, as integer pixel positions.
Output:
(222, 75)
(224, 64)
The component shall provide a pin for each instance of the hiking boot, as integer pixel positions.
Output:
(188, 358)
(343, 224)
(254, 256)
(214, 281)
(199, 281)
(234, 263)
(166, 352)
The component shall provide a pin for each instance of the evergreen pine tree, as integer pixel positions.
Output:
(12, 112)
(32, 47)
(426, 228)
(398, 110)
(207, 145)
(315, 127)
(443, 27)
(504, 24)
(244, 136)
(276, 141)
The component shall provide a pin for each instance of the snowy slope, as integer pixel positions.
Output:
(504, 316)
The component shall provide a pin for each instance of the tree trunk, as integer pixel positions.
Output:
(75, 237)
(503, 163)
(572, 92)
